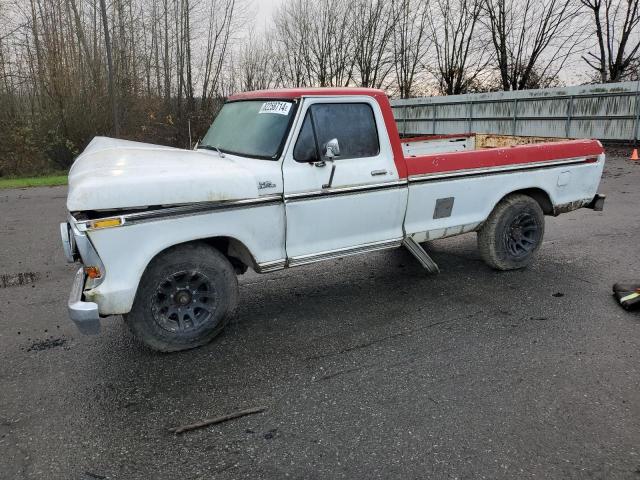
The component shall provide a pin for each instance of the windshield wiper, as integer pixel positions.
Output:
(212, 147)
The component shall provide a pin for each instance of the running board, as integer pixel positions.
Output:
(423, 257)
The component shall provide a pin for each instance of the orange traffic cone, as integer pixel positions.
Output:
(634, 154)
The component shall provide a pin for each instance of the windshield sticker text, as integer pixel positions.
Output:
(281, 108)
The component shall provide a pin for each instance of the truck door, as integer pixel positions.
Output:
(341, 187)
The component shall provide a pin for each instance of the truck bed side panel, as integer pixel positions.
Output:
(474, 194)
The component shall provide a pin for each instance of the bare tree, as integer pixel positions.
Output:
(315, 42)
(255, 70)
(167, 57)
(79, 29)
(532, 39)
(460, 53)
(292, 20)
(71, 69)
(617, 28)
(7, 103)
(410, 41)
(112, 95)
(221, 16)
(329, 60)
(372, 33)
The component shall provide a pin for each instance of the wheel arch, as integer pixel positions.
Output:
(237, 252)
(233, 249)
(538, 194)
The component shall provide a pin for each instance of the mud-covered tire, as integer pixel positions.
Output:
(185, 298)
(513, 233)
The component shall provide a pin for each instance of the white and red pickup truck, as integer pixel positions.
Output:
(289, 177)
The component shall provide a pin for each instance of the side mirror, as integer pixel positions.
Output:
(332, 149)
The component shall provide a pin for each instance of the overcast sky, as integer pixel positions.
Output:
(264, 10)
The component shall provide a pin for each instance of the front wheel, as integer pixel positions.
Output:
(185, 298)
(512, 234)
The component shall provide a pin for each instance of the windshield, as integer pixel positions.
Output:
(255, 128)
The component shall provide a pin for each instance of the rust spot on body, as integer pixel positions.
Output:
(569, 207)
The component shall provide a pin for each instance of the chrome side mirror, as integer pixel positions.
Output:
(332, 149)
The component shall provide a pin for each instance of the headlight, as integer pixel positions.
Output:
(68, 243)
(78, 247)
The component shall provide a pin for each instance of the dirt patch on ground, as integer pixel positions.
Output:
(47, 344)
(18, 279)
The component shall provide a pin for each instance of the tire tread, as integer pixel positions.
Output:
(199, 254)
(488, 233)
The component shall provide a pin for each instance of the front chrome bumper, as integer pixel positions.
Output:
(84, 314)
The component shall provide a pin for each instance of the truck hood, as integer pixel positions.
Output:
(112, 174)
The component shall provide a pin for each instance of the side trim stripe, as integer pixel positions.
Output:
(292, 197)
(208, 207)
(199, 209)
(498, 170)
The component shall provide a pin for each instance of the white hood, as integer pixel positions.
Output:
(112, 174)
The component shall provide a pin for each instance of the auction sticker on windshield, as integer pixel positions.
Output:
(281, 108)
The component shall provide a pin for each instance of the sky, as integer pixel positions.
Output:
(264, 10)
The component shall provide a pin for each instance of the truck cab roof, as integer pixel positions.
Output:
(294, 93)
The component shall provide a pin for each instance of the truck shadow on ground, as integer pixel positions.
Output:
(296, 327)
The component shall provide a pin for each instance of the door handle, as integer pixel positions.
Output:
(375, 173)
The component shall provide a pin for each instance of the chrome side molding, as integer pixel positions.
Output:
(344, 252)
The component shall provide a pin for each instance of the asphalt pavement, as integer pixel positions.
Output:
(368, 367)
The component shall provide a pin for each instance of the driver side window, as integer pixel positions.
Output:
(352, 124)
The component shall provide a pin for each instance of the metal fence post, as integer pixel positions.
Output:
(515, 116)
(470, 116)
(404, 119)
(636, 136)
(435, 113)
(567, 127)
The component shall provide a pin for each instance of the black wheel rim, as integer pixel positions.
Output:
(184, 301)
(522, 235)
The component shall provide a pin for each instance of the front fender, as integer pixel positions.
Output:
(127, 250)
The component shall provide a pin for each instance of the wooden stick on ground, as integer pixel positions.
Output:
(213, 421)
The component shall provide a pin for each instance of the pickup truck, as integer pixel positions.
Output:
(289, 177)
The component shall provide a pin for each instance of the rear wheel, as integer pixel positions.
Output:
(185, 298)
(512, 234)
